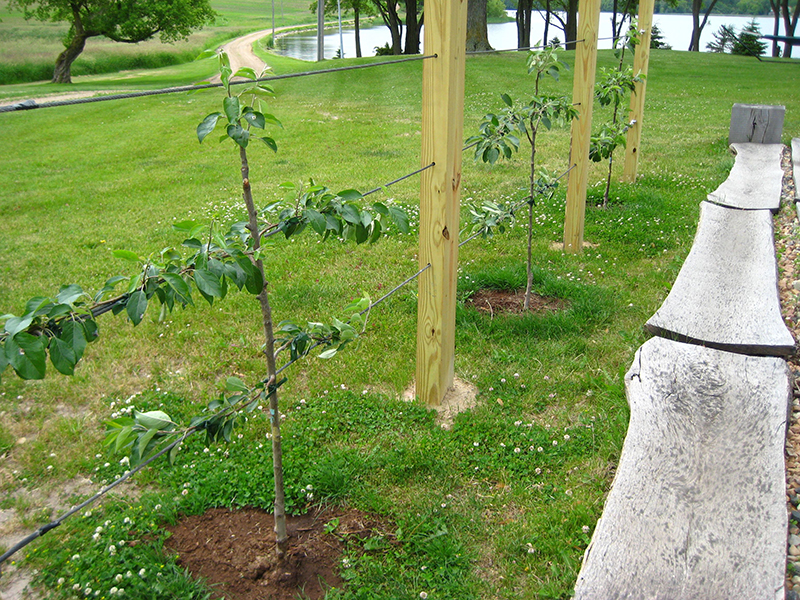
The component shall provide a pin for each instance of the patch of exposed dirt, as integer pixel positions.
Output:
(234, 551)
(459, 398)
(499, 302)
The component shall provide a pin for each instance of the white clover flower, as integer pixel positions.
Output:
(503, 380)
(517, 450)
(157, 507)
(118, 578)
(142, 572)
(185, 493)
(96, 536)
(309, 487)
(76, 587)
(540, 449)
(98, 530)
(112, 549)
(516, 375)
(538, 471)
(129, 574)
(76, 557)
(87, 514)
(476, 444)
(586, 529)
(87, 591)
(124, 460)
(566, 437)
(113, 591)
(423, 595)
(555, 442)
(121, 592)
(61, 581)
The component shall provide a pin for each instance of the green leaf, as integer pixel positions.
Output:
(16, 324)
(350, 214)
(62, 357)
(154, 419)
(136, 306)
(366, 218)
(246, 72)
(400, 218)
(316, 220)
(270, 142)
(231, 107)
(27, 355)
(329, 353)
(239, 135)
(74, 335)
(126, 255)
(190, 229)
(207, 283)
(68, 294)
(177, 283)
(350, 195)
(234, 384)
(37, 306)
(227, 429)
(376, 232)
(207, 125)
(507, 99)
(380, 208)
(272, 120)
(174, 453)
(256, 119)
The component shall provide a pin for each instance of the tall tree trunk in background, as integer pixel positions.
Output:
(477, 30)
(547, 12)
(789, 24)
(357, 32)
(388, 11)
(63, 69)
(412, 28)
(697, 24)
(776, 25)
(571, 27)
(524, 10)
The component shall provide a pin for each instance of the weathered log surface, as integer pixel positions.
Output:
(726, 294)
(758, 123)
(696, 509)
(754, 182)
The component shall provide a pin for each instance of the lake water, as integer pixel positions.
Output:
(676, 29)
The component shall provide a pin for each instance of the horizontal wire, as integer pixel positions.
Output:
(399, 179)
(32, 104)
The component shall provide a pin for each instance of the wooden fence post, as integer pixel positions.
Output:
(442, 141)
(641, 61)
(583, 96)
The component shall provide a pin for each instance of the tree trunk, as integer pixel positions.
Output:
(789, 24)
(62, 72)
(697, 25)
(524, 10)
(614, 10)
(529, 284)
(776, 26)
(477, 30)
(391, 19)
(279, 512)
(412, 28)
(571, 27)
(358, 32)
(547, 13)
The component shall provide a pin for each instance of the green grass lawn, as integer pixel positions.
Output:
(28, 49)
(497, 507)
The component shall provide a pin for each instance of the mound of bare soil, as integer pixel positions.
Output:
(234, 551)
(501, 302)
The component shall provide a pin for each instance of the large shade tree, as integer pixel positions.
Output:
(699, 8)
(477, 30)
(129, 21)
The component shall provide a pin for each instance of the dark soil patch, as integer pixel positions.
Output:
(234, 551)
(496, 302)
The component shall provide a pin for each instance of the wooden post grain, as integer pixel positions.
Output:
(641, 61)
(583, 96)
(442, 140)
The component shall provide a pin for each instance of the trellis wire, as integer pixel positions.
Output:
(191, 430)
(32, 104)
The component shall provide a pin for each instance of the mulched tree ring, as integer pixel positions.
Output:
(493, 302)
(234, 551)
